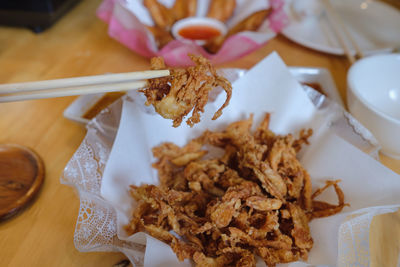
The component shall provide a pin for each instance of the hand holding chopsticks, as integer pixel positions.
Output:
(78, 86)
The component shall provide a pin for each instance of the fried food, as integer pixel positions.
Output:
(161, 36)
(254, 200)
(250, 23)
(164, 18)
(221, 9)
(185, 90)
(161, 15)
(184, 8)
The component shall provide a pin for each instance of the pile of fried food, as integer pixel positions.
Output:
(255, 199)
(185, 90)
(222, 10)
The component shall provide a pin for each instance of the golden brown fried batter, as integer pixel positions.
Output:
(161, 15)
(322, 209)
(184, 8)
(221, 9)
(255, 199)
(185, 90)
(164, 18)
(161, 36)
(263, 203)
(301, 231)
(250, 23)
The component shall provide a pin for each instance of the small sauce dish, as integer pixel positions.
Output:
(373, 97)
(198, 29)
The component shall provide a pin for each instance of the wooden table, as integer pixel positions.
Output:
(42, 235)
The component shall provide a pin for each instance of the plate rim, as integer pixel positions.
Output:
(329, 49)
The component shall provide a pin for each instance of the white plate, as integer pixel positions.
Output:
(321, 76)
(374, 25)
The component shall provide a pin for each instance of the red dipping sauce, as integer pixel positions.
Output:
(199, 32)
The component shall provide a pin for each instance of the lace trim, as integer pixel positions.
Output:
(96, 227)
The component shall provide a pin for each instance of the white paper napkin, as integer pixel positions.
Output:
(267, 87)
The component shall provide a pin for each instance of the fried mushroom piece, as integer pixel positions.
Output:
(185, 90)
(301, 231)
(254, 199)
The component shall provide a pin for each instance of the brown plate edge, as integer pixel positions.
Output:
(33, 190)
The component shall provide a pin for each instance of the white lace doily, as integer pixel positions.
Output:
(96, 224)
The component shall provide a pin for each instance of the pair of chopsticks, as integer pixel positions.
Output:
(78, 86)
(342, 33)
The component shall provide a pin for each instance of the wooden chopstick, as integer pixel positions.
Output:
(339, 28)
(82, 81)
(79, 90)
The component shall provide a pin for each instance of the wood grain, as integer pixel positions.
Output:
(21, 177)
(384, 240)
(78, 45)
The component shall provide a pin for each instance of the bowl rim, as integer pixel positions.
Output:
(199, 21)
(366, 103)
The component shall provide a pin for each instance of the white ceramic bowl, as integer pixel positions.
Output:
(197, 21)
(373, 97)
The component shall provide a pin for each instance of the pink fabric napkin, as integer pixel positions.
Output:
(126, 24)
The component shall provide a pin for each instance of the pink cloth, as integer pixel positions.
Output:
(126, 28)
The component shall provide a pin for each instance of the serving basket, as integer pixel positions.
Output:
(127, 20)
(96, 226)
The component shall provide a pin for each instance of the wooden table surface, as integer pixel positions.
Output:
(78, 45)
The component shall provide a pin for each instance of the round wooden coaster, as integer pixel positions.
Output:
(21, 176)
